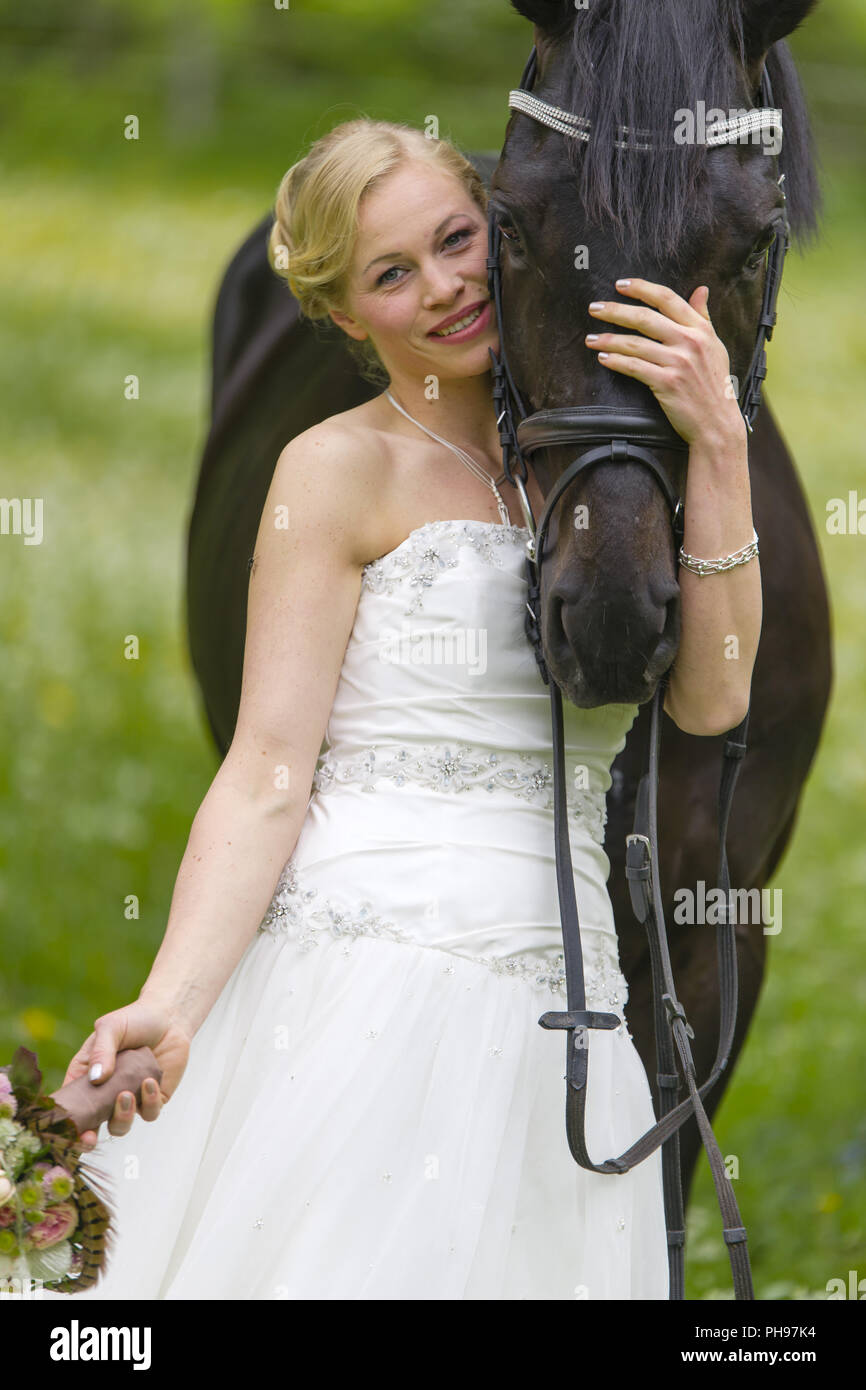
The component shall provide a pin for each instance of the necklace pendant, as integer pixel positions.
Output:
(503, 510)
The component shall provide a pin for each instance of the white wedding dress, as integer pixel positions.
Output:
(371, 1110)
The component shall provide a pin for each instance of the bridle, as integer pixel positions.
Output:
(625, 430)
(624, 435)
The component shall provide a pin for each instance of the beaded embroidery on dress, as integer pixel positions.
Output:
(371, 1110)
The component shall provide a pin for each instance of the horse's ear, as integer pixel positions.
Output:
(552, 17)
(767, 21)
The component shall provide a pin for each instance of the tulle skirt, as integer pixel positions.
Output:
(368, 1113)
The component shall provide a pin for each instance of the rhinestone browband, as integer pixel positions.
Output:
(729, 132)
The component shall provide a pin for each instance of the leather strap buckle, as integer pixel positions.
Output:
(638, 870)
(637, 863)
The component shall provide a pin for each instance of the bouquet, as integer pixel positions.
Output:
(55, 1219)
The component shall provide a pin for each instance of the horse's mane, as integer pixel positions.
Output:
(635, 63)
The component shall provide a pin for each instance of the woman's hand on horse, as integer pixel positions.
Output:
(677, 354)
(141, 1024)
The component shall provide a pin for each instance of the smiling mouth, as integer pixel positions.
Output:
(465, 322)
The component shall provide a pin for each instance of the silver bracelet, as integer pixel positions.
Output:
(727, 562)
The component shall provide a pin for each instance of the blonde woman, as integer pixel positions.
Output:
(365, 926)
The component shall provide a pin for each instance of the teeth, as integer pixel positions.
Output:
(461, 323)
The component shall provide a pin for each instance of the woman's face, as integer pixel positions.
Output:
(420, 258)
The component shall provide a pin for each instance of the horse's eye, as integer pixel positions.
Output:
(760, 247)
(509, 231)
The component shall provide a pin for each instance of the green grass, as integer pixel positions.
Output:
(110, 270)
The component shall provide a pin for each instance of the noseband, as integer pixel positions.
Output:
(617, 434)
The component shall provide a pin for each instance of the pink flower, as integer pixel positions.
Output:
(57, 1183)
(8, 1103)
(58, 1222)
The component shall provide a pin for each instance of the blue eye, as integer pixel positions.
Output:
(381, 279)
(461, 232)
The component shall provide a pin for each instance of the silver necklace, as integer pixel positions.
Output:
(474, 468)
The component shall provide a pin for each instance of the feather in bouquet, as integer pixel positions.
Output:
(55, 1217)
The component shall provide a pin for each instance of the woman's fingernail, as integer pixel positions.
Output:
(597, 305)
(593, 337)
(623, 282)
(150, 1089)
(125, 1102)
(602, 356)
(95, 1071)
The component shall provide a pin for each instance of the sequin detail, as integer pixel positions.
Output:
(459, 767)
(434, 547)
(308, 918)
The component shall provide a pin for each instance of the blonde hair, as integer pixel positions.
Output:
(312, 239)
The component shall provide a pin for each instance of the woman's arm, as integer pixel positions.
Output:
(710, 682)
(315, 535)
(237, 846)
(678, 355)
(303, 594)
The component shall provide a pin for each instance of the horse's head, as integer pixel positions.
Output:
(576, 214)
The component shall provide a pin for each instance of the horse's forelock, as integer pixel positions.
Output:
(637, 63)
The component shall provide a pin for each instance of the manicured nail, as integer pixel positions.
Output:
(95, 1071)
(602, 356)
(623, 282)
(150, 1089)
(597, 305)
(593, 337)
(125, 1102)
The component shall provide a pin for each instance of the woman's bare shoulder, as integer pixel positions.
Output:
(343, 442)
(343, 467)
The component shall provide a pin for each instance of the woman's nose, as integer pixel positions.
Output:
(441, 287)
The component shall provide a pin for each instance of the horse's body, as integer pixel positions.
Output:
(274, 376)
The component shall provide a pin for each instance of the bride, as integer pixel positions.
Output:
(365, 928)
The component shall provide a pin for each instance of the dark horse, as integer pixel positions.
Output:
(682, 216)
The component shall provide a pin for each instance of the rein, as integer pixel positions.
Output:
(621, 434)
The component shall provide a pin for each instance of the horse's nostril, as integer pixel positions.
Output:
(558, 637)
(663, 591)
(626, 628)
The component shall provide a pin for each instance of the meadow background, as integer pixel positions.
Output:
(112, 254)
